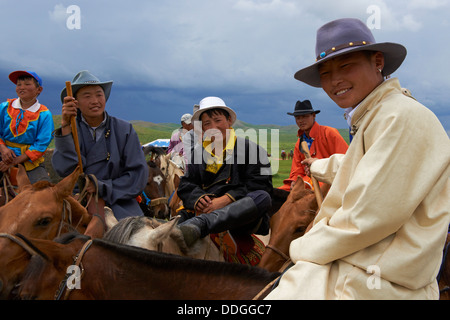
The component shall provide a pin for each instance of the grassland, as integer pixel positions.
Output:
(284, 137)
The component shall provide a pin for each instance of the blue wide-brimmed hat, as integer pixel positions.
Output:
(85, 78)
(347, 35)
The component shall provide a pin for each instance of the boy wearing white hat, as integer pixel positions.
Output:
(381, 229)
(228, 185)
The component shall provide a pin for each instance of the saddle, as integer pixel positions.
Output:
(239, 248)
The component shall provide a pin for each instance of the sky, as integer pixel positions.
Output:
(165, 56)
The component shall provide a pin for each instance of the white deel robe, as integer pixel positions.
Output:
(382, 227)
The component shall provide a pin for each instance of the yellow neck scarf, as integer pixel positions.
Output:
(214, 163)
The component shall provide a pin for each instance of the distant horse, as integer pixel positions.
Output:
(283, 155)
(291, 155)
(154, 201)
(289, 223)
(158, 235)
(111, 271)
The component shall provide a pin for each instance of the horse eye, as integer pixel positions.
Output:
(43, 222)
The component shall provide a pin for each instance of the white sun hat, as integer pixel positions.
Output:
(213, 103)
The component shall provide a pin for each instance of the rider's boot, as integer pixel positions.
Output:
(237, 214)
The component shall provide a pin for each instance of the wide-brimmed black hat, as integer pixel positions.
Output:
(303, 107)
(347, 35)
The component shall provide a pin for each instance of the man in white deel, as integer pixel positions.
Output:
(381, 229)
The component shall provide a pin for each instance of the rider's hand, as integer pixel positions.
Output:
(307, 164)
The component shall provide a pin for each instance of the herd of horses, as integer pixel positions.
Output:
(44, 232)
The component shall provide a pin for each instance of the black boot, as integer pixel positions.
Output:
(237, 214)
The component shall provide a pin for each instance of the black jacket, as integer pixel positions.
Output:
(246, 169)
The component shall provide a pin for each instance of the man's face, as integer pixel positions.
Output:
(91, 101)
(306, 121)
(349, 78)
(215, 127)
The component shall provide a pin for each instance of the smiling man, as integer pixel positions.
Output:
(110, 148)
(381, 229)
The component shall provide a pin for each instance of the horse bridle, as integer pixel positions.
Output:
(154, 202)
(77, 262)
(20, 242)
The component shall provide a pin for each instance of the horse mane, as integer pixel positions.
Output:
(40, 185)
(67, 238)
(166, 261)
(152, 149)
(124, 230)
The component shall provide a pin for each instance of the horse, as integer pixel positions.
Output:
(158, 235)
(291, 155)
(154, 202)
(172, 174)
(283, 155)
(16, 255)
(106, 270)
(289, 223)
(43, 210)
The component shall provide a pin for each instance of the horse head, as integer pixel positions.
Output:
(154, 198)
(289, 223)
(42, 210)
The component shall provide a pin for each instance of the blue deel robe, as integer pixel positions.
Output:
(116, 159)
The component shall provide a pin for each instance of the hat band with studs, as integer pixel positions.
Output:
(340, 47)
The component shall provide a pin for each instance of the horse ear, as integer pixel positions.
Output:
(65, 187)
(22, 178)
(297, 189)
(95, 228)
(110, 219)
(163, 231)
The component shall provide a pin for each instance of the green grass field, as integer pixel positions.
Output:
(284, 137)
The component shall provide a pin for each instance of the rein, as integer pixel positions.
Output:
(77, 262)
(278, 251)
(7, 186)
(21, 243)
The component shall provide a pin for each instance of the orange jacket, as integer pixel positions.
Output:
(327, 141)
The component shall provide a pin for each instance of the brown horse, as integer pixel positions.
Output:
(289, 223)
(43, 210)
(16, 255)
(111, 271)
(154, 202)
